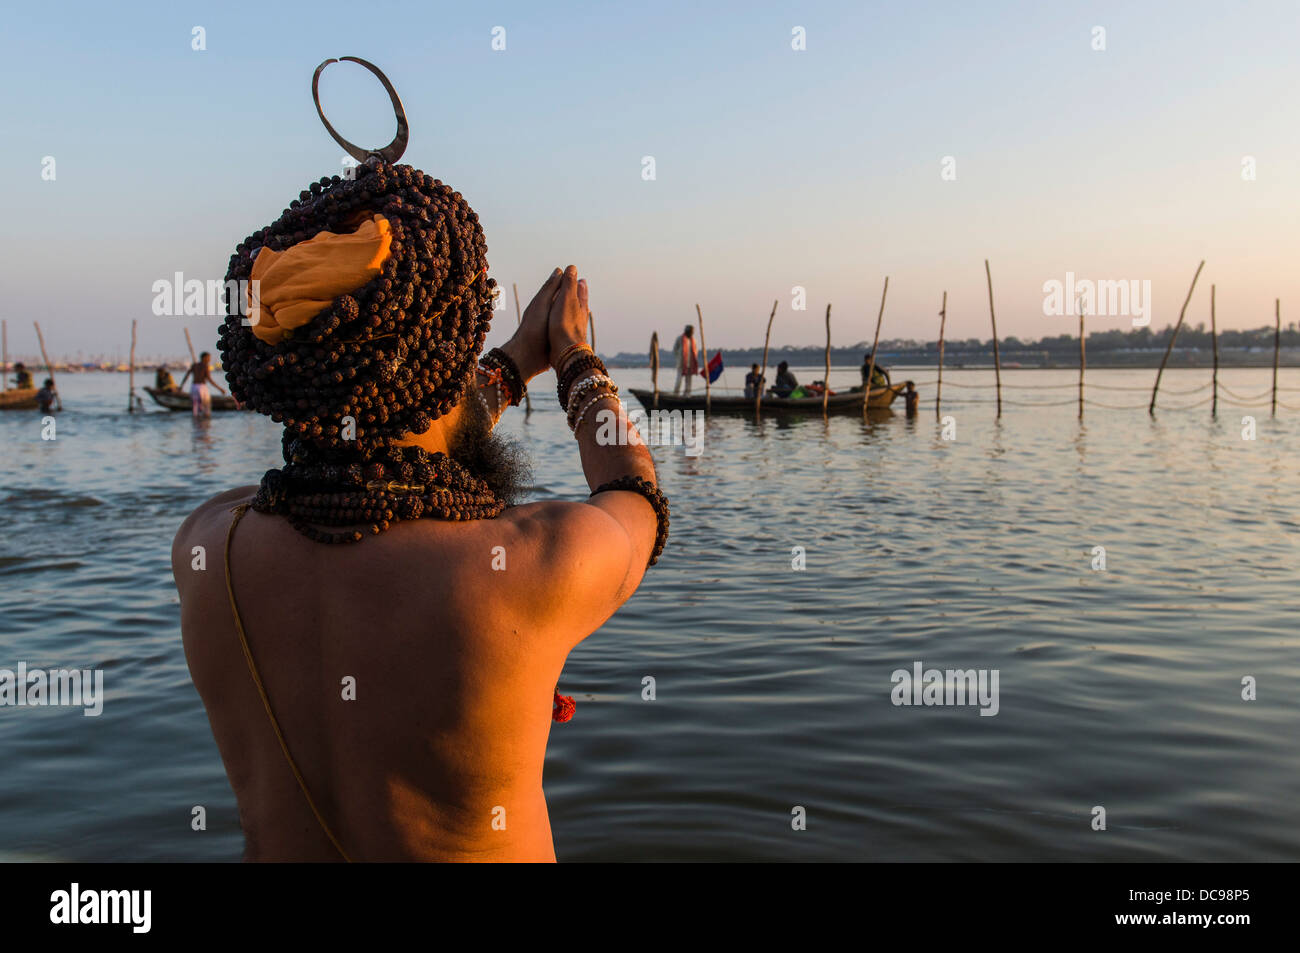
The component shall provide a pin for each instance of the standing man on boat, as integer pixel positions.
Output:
(200, 396)
(688, 359)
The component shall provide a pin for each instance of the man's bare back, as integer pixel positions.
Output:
(412, 673)
(454, 663)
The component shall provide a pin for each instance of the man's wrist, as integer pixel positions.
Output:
(567, 351)
(527, 369)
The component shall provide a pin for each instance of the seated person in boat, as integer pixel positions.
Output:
(879, 375)
(46, 395)
(753, 382)
(163, 380)
(22, 376)
(786, 383)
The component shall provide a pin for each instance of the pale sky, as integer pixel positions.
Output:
(774, 167)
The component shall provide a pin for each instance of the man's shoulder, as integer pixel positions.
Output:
(551, 527)
(570, 560)
(198, 525)
(565, 538)
(227, 499)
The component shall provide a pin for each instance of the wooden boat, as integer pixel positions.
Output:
(177, 399)
(21, 398)
(838, 403)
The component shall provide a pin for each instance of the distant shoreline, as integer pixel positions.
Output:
(1287, 358)
(1228, 359)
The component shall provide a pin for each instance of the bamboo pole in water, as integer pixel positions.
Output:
(190, 344)
(519, 320)
(826, 377)
(1214, 341)
(871, 366)
(1083, 360)
(591, 330)
(49, 368)
(943, 319)
(1151, 409)
(4, 346)
(654, 365)
(997, 358)
(130, 373)
(1277, 342)
(758, 398)
(704, 353)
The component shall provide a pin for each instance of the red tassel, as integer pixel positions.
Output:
(563, 708)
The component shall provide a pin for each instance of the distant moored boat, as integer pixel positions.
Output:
(842, 402)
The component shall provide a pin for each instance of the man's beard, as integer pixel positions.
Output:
(496, 460)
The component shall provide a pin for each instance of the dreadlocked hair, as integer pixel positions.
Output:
(378, 363)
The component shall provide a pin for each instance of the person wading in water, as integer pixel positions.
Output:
(200, 396)
(389, 696)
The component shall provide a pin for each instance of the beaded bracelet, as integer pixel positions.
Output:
(656, 500)
(572, 371)
(512, 379)
(586, 384)
(564, 357)
(577, 422)
(478, 392)
(495, 374)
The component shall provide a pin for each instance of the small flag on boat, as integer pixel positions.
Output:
(715, 367)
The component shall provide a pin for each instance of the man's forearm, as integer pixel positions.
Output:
(609, 445)
(604, 457)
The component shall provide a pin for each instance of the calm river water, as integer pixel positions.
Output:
(1119, 688)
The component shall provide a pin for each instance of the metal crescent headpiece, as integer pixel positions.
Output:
(389, 153)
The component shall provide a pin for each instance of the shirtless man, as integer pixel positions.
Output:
(455, 647)
(200, 396)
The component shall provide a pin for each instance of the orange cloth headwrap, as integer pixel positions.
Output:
(289, 288)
